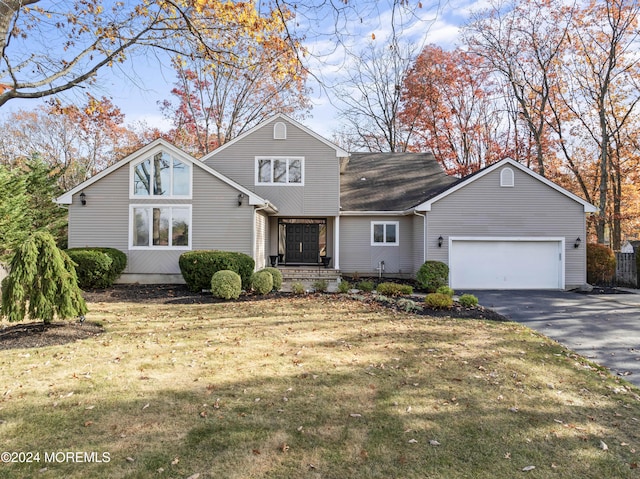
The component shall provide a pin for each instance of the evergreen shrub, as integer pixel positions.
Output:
(197, 267)
(226, 284)
(262, 282)
(276, 274)
(445, 290)
(468, 300)
(432, 275)
(97, 267)
(438, 301)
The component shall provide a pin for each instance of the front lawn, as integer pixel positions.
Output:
(311, 387)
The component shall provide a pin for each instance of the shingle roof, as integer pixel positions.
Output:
(390, 181)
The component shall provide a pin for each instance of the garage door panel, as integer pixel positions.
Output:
(507, 264)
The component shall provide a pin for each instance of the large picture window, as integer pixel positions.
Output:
(161, 176)
(384, 233)
(279, 171)
(161, 227)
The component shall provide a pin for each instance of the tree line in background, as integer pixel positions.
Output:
(553, 86)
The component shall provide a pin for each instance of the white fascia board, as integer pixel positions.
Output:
(426, 206)
(340, 153)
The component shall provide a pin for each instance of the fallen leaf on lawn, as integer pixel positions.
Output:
(256, 452)
(364, 454)
(528, 468)
(284, 447)
(355, 415)
(513, 409)
(130, 459)
(412, 441)
(89, 408)
(604, 446)
(203, 414)
(433, 442)
(145, 406)
(175, 461)
(409, 409)
(194, 476)
(507, 455)
(88, 423)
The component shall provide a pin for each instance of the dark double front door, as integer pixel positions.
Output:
(302, 243)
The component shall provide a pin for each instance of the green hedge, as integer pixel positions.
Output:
(262, 282)
(97, 267)
(276, 274)
(439, 301)
(198, 267)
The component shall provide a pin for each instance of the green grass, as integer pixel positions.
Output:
(318, 386)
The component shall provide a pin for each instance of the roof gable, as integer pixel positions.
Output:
(150, 149)
(461, 183)
(340, 153)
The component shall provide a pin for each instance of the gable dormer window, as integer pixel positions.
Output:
(280, 131)
(506, 178)
(161, 175)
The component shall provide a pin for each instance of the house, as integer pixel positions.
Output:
(281, 192)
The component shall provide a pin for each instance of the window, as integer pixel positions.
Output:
(384, 233)
(506, 177)
(161, 227)
(280, 131)
(279, 171)
(161, 175)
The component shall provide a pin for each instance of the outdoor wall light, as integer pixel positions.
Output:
(240, 198)
(83, 199)
(577, 243)
(440, 240)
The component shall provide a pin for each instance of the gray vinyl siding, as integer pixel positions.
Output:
(357, 254)
(320, 195)
(529, 209)
(217, 222)
(418, 242)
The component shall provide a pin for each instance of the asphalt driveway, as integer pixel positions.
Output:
(603, 328)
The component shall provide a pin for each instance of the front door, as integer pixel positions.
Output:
(302, 243)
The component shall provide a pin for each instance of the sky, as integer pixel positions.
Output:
(138, 85)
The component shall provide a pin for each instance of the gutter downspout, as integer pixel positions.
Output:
(424, 235)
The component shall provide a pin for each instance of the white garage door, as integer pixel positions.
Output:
(506, 264)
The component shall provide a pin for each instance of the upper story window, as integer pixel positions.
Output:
(161, 175)
(506, 177)
(279, 170)
(384, 233)
(280, 131)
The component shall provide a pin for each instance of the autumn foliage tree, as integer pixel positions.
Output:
(250, 80)
(450, 102)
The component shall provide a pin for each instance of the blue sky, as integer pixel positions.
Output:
(140, 83)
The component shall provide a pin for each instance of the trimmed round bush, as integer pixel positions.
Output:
(262, 282)
(276, 274)
(432, 275)
(438, 301)
(601, 264)
(97, 267)
(468, 300)
(394, 289)
(226, 284)
(197, 267)
(445, 290)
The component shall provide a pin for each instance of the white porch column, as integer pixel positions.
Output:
(336, 242)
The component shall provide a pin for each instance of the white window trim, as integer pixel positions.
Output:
(507, 178)
(133, 196)
(160, 248)
(385, 223)
(271, 158)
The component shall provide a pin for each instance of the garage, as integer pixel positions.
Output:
(506, 263)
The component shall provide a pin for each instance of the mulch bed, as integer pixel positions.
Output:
(36, 335)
